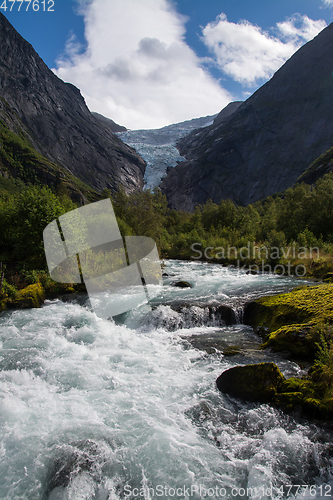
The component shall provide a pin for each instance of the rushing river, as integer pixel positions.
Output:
(104, 410)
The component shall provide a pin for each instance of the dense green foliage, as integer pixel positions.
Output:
(23, 216)
(302, 216)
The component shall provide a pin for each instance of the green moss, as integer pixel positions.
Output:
(55, 289)
(232, 350)
(312, 304)
(293, 384)
(31, 296)
(299, 340)
(7, 293)
(316, 408)
(300, 322)
(289, 320)
(328, 278)
(289, 400)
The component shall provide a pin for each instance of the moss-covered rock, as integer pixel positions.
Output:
(305, 304)
(288, 400)
(258, 382)
(288, 321)
(298, 340)
(293, 384)
(232, 350)
(265, 383)
(317, 408)
(328, 277)
(54, 290)
(31, 296)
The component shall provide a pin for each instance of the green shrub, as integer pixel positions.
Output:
(7, 290)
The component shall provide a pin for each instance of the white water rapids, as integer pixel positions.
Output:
(94, 409)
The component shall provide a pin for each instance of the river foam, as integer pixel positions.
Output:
(98, 409)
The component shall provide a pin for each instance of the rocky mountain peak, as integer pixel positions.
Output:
(268, 142)
(56, 116)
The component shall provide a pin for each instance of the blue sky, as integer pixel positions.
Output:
(148, 63)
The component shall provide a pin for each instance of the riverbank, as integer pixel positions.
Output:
(317, 268)
(32, 288)
(298, 324)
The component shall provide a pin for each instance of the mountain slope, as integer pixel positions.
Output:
(268, 142)
(114, 127)
(321, 166)
(20, 160)
(58, 122)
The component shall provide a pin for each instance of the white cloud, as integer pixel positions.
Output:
(328, 3)
(300, 29)
(249, 54)
(73, 46)
(136, 68)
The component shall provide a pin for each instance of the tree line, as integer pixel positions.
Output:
(302, 215)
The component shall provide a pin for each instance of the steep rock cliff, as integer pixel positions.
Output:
(268, 142)
(58, 121)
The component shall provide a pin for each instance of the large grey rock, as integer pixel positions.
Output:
(56, 116)
(268, 142)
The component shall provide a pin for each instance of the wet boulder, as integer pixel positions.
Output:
(265, 383)
(74, 468)
(226, 313)
(260, 382)
(182, 284)
(288, 401)
(216, 315)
